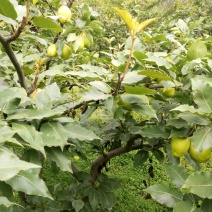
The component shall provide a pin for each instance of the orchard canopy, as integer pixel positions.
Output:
(88, 87)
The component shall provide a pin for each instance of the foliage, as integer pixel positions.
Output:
(101, 101)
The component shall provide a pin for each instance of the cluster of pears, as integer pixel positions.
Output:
(179, 146)
(66, 51)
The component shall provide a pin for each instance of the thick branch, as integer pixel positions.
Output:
(70, 2)
(103, 159)
(14, 61)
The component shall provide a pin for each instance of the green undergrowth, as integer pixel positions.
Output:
(130, 196)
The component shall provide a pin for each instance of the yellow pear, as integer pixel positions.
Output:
(52, 50)
(65, 14)
(66, 52)
(168, 92)
(179, 146)
(202, 156)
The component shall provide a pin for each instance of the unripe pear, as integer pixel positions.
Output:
(179, 146)
(52, 50)
(202, 156)
(66, 52)
(168, 92)
(65, 14)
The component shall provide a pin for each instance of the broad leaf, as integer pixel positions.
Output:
(202, 96)
(29, 183)
(177, 174)
(53, 91)
(46, 23)
(101, 86)
(94, 198)
(30, 114)
(78, 205)
(126, 17)
(188, 108)
(107, 199)
(155, 74)
(200, 183)
(154, 132)
(6, 133)
(197, 50)
(183, 206)
(54, 134)
(165, 194)
(139, 56)
(11, 165)
(206, 205)
(144, 24)
(194, 118)
(145, 110)
(7, 9)
(94, 94)
(75, 131)
(140, 157)
(202, 138)
(62, 160)
(4, 201)
(30, 135)
(139, 90)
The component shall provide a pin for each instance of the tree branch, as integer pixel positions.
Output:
(99, 163)
(14, 61)
(8, 49)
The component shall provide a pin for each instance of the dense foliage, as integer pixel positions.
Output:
(85, 85)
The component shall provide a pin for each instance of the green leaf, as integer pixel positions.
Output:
(11, 165)
(4, 201)
(155, 74)
(94, 95)
(202, 138)
(177, 174)
(10, 99)
(165, 194)
(78, 205)
(158, 154)
(7, 9)
(94, 198)
(126, 17)
(193, 118)
(80, 133)
(183, 206)
(144, 24)
(133, 98)
(140, 157)
(101, 86)
(200, 183)
(30, 114)
(197, 50)
(6, 133)
(206, 205)
(43, 101)
(61, 158)
(188, 108)
(53, 91)
(154, 132)
(29, 183)
(139, 56)
(46, 23)
(202, 95)
(139, 90)
(107, 199)
(145, 110)
(54, 134)
(30, 135)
